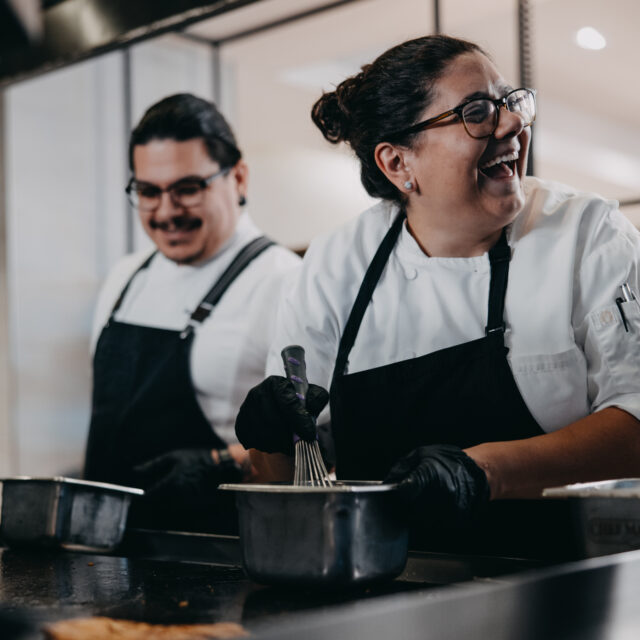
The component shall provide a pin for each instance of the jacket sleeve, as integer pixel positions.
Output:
(611, 258)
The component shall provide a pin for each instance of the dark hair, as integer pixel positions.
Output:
(184, 116)
(387, 95)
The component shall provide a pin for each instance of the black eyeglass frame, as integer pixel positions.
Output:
(498, 102)
(203, 183)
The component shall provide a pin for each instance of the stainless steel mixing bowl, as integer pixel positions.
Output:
(347, 534)
(63, 512)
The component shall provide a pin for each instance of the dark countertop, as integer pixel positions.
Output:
(163, 577)
(185, 578)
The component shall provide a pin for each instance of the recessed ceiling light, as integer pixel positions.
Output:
(590, 38)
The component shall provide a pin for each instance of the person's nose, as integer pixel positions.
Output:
(166, 209)
(509, 124)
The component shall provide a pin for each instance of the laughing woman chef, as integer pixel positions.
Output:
(471, 326)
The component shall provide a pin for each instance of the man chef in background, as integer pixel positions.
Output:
(181, 332)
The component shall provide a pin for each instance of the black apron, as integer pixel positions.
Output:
(462, 395)
(144, 403)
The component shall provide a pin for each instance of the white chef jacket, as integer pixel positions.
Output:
(568, 349)
(229, 350)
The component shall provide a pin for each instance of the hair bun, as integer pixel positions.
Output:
(332, 111)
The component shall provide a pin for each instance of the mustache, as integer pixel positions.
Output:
(179, 223)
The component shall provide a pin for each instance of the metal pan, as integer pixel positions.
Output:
(64, 512)
(605, 514)
(347, 534)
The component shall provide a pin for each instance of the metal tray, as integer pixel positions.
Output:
(605, 514)
(344, 535)
(63, 512)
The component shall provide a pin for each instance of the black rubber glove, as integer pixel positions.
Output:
(184, 474)
(272, 412)
(441, 483)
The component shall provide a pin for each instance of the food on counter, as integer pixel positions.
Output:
(101, 628)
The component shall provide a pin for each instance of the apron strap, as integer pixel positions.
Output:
(369, 283)
(499, 257)
(248, 253)
(118, 303)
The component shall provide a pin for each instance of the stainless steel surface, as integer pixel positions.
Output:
(606, 514)
(78, 29)
(309, 468)
(594, 599)
(622, 488)
(342, 535)
(354, 486)
(63, 512)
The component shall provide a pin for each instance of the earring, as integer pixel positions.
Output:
(242, 201)
(408, 185)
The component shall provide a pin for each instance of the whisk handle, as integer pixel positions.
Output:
(295, 369)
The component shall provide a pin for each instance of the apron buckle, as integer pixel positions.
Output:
(501, 328)
(187, 331)
(202, 312)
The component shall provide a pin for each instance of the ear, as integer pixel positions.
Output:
(240, 175)
(392, 161)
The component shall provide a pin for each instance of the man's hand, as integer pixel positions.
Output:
(185, 474)
(272, 413)
(442, 483)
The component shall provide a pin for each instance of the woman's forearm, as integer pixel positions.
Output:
(602, 445)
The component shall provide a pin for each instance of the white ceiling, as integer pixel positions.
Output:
(589, 101)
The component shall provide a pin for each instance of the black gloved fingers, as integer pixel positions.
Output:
(230, 473)
(167, 467)
(191, 474)
(293, 412)
(403, 467)
(150, 471)
(443, 482)
(316, 400)
(260, 423)
(272, 413)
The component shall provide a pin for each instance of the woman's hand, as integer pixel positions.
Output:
(272, 413)
(442, 482)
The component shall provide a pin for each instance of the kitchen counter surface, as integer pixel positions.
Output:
(189, 578)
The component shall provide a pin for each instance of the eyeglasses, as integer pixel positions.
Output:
(188, 192)
(480, 116)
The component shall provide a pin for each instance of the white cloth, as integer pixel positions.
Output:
(569, 351)
(229, 350)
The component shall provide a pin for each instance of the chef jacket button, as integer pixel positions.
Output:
(411, 274)
(606, 317)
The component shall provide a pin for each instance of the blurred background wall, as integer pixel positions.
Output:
(65, 169)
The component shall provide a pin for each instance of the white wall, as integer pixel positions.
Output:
(64, 162)
(66, 217)
(301, 185)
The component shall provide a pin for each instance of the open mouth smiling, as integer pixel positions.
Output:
(500, 167)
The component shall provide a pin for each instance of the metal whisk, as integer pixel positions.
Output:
(309, 469)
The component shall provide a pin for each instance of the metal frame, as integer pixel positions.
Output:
(76, 30)
(130, 216)
(8, 453)
(525, 64)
